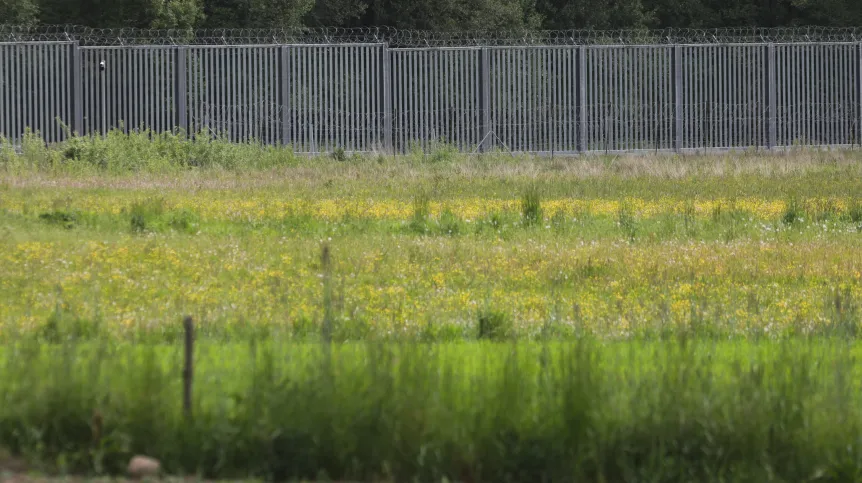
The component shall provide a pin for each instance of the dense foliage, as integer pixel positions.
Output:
(435, 14)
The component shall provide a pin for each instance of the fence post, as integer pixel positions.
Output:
(484, 98)
(77, 94)
(180, 90)
(387, 99)
(859, 93)
(188, 370)
(771, 95)
(677, 97)
(582, 99)
(284, 92)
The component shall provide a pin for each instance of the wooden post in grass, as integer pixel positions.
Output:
(325, 264)
(188, 371)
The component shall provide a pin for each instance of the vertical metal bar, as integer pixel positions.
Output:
(387, 99)
(284, 93)
(677, 95)
(581, 104)
(484, 98)
(77, 96)
(771, 96)
(859, 94)
(180, 94)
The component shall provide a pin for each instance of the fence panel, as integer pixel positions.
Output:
(36, 89)
(335, 97)
(365, 97)
(724, 92)
(629, 98)
(135, 89)
(817, 99)
(435, 98)
(233, 92)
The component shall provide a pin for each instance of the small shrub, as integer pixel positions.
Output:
(494, 325)
(443, 153)
(854, 211)
(144, 214)
(792, 213)
(339, 155)
(66, 219)
(183, 220)
(627, 221)
(531, 206)
(421, 211)
(449, 223)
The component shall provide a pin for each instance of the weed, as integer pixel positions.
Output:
(627, 221)
(143, 214)
(66, 219)
(449, 223)
(339, 155)
(494, 325)
(421, 211)
(531, 206)
(792, 212)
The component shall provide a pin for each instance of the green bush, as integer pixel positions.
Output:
(531, 206)
(493, 325)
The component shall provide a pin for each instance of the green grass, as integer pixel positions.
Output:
(492, 318)
(584, 411)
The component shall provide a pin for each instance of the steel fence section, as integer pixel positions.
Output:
(817, 99)
(36, 90)
(233, 93)
(368, 97)
(435, 98)
(128, 88)
(725, 99)
(335, 97)
(629, 98)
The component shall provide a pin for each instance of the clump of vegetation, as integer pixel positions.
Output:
(66, 219)
(144, 214)
(531, 206)
(421, 212)
(493, 325)
(627, 221)
(793, 212)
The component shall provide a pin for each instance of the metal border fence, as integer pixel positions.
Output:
(371, 96)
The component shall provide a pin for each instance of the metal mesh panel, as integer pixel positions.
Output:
(35, 89)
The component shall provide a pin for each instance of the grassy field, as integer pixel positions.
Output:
(496, 317)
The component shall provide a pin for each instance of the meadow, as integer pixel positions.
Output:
(492, 317)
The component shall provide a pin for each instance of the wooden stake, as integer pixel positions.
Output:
(188, 371)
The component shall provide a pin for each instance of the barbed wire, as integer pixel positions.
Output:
(397, 38)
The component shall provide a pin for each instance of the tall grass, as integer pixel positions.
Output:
(581, 411)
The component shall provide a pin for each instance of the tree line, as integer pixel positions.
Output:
(438, 15)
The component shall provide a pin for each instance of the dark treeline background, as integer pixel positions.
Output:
(434, 14)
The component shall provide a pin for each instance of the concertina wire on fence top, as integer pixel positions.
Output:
(397, 38)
